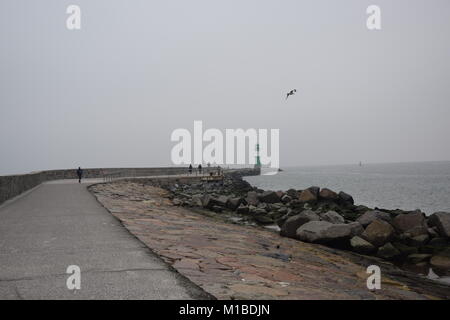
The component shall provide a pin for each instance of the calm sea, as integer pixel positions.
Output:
(406, 186)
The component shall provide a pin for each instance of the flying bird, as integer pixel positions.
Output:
(290, 93)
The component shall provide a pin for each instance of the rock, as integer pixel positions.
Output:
(222, 201)
(252, 198)
(369, 216)
(328, 194)
(345, 198)
(263, 219)
(433, 232)
(332, 216)
(418, 241)
(234, 203)
(208, 201)
(378, 233)
(418, 257)
(416, 231)
(283, 211)
(269, 197)
(361, 246)
(211, 201)
(349, 214)
(196, 200)
(290, 226)
(441, 260)
(177, 202)
(323, 232)
(216, 208)
(405, 222)
(307, 196)
(438, 242)
(292, 193)
(404, 249)
(315, 191)
(388, 252)
(242, 209)
(280, 221)
(356, 228)
(263, 206)
(440, 220)
(259, 212)
(429, 249)
(286, 198)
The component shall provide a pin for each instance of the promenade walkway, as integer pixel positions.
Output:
(59, 224)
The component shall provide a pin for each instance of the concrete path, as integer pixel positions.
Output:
(59, 224)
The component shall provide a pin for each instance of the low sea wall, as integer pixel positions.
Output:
(13, 185)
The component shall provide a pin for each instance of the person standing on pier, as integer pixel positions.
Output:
(79, 174)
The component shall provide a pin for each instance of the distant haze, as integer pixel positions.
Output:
(110, 94)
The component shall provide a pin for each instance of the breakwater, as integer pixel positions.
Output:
(13, 185)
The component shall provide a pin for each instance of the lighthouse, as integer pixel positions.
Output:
(258, 160)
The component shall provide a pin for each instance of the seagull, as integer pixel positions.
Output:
(291, 93)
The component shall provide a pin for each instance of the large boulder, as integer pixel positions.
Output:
(292, 193)
(286, 198)
(242, 209)
(252, 198)
(323, 232)
(405, 249)
(441, 260)
(440, 220)
(378, 233)
(362, 246)
(388, 252)
(269, 197)
(369, 216)
(345, 198)
(418, 257)
(290, 226)
(234, 203)
(307, 196)
(356, 228)
(196, 200)
(327, 194)
(415, 241)
(405, 222)
(332, 216)
(222, 201)
(315, 191)
(211, 201)
(263, 219)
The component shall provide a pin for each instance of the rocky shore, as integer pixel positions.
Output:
(232, 260)
(321, 215)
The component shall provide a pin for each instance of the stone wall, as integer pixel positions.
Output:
(13, 185)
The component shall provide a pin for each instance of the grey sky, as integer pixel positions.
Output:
(112, 93)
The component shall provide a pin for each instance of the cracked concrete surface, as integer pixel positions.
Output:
(61, 224)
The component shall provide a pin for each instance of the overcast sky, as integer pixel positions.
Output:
(110, 94)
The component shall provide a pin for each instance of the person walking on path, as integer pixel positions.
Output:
(200, 169)
(190, 169)
(79, 174)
